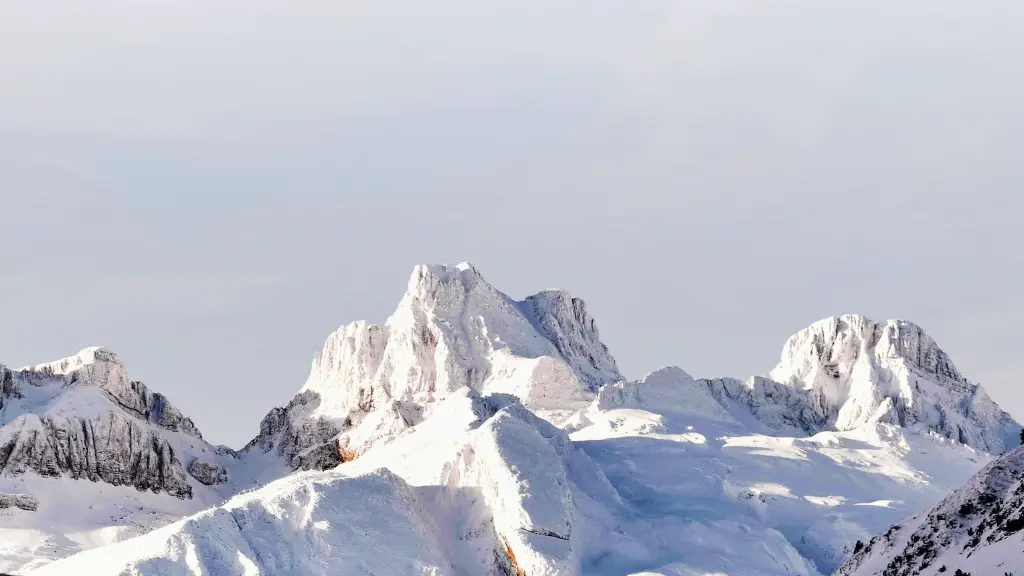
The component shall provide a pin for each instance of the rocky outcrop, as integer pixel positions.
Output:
(207, 473)
(976, 530)
(110, 448)
(856, 371)
(25, 502)
(305, 441)
(775, 405)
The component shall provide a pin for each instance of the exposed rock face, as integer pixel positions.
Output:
(775, 405)
(110, 448)
(23, 501)
(451, 330)
(857, 371)
(305, 441)
(976, 529)
(564, 321)
(83, 417)
(208, 474)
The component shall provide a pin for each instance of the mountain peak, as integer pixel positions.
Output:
(862, 371)
(894, 338)
(451, 330)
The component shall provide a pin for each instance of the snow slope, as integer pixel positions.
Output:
(480, 488)
(976, 529)
(708, 489)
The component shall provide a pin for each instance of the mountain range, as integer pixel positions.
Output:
(472, 433)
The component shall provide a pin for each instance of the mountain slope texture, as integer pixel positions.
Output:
(975, 530)
(472, 433)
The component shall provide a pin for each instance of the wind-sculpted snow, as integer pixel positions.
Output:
(977, 529)
(860, 371)
(451, 330)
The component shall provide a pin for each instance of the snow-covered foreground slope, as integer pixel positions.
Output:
(476, 434)
(482, 487)
(977, 529)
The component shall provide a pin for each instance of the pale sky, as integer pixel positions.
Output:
(210, 188)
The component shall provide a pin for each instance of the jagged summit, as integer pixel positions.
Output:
(451, 329)
(859, 371)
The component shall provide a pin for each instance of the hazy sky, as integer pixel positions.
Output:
(210, 188)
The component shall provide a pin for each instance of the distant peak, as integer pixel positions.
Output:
(827, 338)
(860, 371)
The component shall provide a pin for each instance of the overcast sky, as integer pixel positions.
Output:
(210, 187)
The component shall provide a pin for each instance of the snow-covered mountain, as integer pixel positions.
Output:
(451, 330)
(475, 434)
(857, 371)
(81, 418)
(975, 530)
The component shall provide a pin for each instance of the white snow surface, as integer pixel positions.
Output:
(483, 435)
